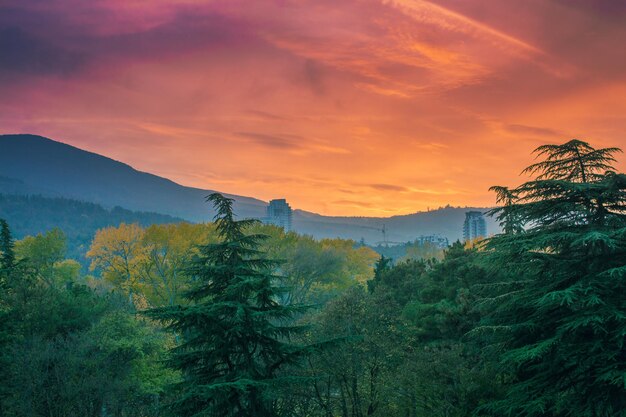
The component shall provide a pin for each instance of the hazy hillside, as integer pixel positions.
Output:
(34, 165)
(14, 186)
(30, 215)
(54, 168)
(447, 222)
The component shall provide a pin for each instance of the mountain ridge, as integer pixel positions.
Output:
(33, 164)
(75, 173)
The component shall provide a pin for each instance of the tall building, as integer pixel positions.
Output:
(474, 226)
(279, 213)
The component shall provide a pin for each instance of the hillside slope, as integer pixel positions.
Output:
(447, 222)
(34, 165)
(63, 170)
(30, 215)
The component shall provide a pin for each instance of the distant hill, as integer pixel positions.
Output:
(34, 165)
(58, 169)
(13, 186)
(447, 222)
(30, 215)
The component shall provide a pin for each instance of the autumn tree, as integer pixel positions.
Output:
(168, 249)
(315, 270)
(149, 262)
(118, 252)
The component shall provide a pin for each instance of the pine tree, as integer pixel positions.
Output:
(382, 264)
(563, 326)
(7, 254)
(235, 333)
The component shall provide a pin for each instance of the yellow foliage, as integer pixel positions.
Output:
(149, 264)
(120, 254)
(474, 243)
(149, 261)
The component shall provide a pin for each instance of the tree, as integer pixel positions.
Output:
(562, 320)
(509, 221)
(7, 254)
(356, 376)
(168, 250)
(118, 252)
(78, 354)
(235, 334)
(382, 265)
(7, 265)
(44, 256)
(316, 270)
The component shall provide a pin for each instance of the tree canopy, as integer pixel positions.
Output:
(562, 319)
(235, 338)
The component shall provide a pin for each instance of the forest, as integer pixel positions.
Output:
(79, 220)
(236, 318)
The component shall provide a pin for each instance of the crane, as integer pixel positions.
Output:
(383, 230)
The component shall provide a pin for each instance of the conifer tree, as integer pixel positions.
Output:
(7, 254)
(563, 326)
(7, 324)
(382, 264)
(235, 335)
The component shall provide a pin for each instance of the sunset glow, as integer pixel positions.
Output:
(354, 107)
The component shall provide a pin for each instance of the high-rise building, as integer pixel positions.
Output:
(475, 226)
(279, 213)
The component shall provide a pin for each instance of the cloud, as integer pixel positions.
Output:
(295, 143)
(533, 130)
(314, 76)
(353, 203)
(318, 100)
(21, 52)
(267, 116)
(609, 8)
(389, 187)
(272, 141)
(430, 13)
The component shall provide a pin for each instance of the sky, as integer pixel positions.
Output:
(351, 107)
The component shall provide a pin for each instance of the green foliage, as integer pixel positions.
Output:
(7, 254)
(382, 265)
(530, 323)
(315, 270)
(152, 263)
(72, 352)
(79, 220)
(354, 377)
(65, 350)
(403, 350)
(414, 250)
(562, 320)
(235, 333)
(44, 255)
(111, 368)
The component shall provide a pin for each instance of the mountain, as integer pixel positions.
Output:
(13, 186)
(34, 165)
(33, 214)
(447, 222)
(56, 169)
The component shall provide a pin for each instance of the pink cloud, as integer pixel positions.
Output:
(428, 102)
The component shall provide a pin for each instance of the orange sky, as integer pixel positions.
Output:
(351, 107)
